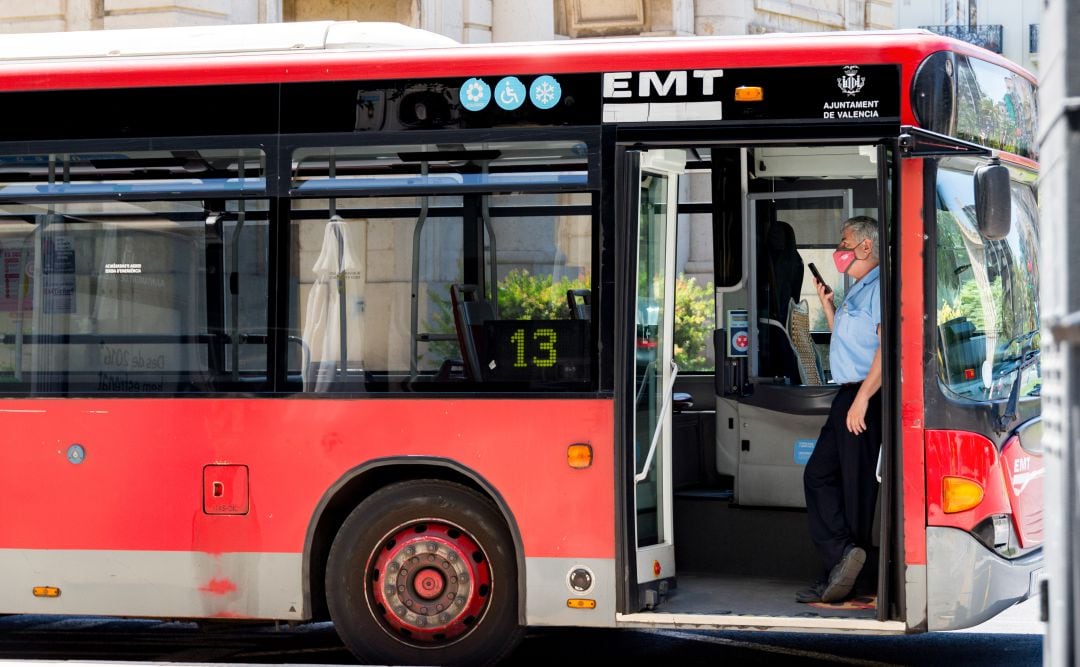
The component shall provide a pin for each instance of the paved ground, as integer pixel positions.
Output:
(1014, 638)
(1021, 619)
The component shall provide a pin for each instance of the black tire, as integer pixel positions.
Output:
(451, 600)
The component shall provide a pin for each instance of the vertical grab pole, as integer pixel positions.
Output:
(414, 315)
(234, 275)
(490, 229)
(343, 329)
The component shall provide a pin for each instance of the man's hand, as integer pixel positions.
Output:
(826, 302)
(826, 297)
(856, 416)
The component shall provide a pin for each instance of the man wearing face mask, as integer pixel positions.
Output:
(839, 480)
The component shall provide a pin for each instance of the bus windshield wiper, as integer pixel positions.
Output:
(1029, 355)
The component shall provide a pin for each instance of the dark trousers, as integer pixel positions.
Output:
(840, 479)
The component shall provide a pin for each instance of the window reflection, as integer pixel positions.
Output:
(987, 294)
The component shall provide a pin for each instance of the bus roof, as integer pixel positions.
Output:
(216, 40)
(327, 50)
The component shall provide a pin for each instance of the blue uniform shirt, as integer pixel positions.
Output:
(854, 338)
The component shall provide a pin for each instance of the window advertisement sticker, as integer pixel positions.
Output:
(475, 94)
(803, 450)
(58, 273)
(509, 93)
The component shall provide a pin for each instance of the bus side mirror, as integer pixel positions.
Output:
(993, 200)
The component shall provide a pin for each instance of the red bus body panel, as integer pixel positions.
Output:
(139, 486)
(970, 456)
(1024, 474)
(911, 366)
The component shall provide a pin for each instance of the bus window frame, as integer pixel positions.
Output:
(139, 145)
(590, 136)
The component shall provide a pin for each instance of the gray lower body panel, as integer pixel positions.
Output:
(549, 590)
(967, 583)
(162, 584)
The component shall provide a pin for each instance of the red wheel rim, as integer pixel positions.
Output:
(430, 582)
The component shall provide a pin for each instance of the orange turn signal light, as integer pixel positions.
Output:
(749, 94)
(579, 456)
(581, 603)
(46, 592)
(959, 494)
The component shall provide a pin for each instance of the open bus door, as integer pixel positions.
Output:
(652, 203)
(733, 493)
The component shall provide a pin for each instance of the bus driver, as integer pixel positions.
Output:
(839, 480)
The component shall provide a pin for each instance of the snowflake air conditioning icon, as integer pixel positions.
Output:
(545, 92)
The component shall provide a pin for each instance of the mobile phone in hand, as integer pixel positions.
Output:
(817, 277)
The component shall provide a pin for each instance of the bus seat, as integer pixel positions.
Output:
(783, 359)
(798, 332)
(779, 279)
(470, 313)
(787, 267)
(578, 301)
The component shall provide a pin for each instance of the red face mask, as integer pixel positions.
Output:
(843, 259)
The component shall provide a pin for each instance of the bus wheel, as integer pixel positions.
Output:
(423, 572)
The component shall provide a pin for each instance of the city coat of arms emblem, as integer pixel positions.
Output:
(851, 83)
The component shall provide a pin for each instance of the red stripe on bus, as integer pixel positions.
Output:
(477, 60)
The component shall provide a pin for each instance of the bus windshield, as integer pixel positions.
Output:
(987, 294)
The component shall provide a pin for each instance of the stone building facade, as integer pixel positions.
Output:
(468, 20)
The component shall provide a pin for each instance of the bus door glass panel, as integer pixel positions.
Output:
(653, 354)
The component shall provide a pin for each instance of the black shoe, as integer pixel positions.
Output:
(843, 575)
(811, 593)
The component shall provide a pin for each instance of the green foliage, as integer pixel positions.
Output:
(527, 297)
(694, 323)
(522, 296)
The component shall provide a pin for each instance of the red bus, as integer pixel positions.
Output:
(414, 338)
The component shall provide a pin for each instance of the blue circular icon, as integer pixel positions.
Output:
(510, 93)
(475, 94)
(545, 92)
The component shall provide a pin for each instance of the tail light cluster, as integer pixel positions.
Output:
(996, 496)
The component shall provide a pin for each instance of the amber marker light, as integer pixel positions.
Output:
(749, 94)
(959, 494)
(581, 603)
(46, 592)
(579, 456)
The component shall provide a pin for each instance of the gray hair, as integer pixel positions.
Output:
(863, 227)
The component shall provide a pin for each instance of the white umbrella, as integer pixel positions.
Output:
(329, 330)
